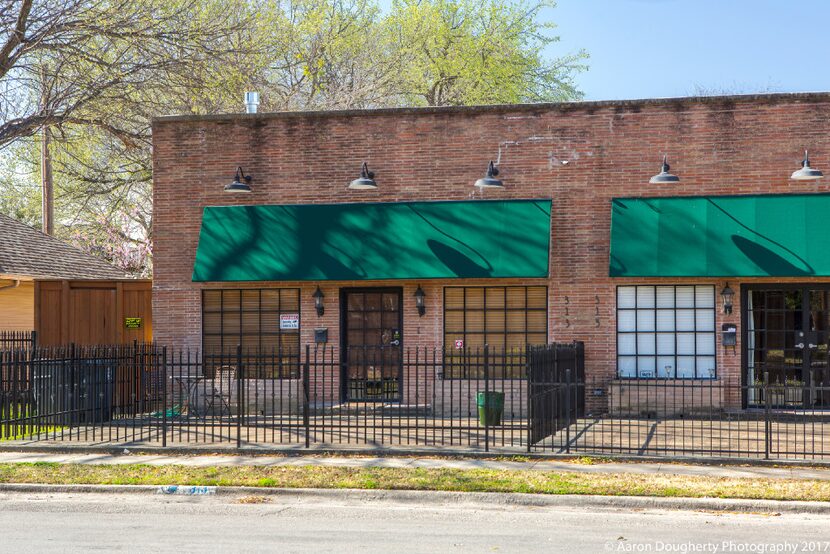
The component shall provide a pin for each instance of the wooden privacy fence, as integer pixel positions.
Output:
(92, 312)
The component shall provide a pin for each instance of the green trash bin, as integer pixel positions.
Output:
(490, 407)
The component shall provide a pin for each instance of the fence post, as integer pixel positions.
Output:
(306, 393)
(240, 396)
(13, 400)
(808, 394)
(34, 340)
(135, 383)
(486, 397)
(163, 370)
(528, 377)
(767, 437)
(567, 411)
(72, 389)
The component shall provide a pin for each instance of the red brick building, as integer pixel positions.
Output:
(647, 306)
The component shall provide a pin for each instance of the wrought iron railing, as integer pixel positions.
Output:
(10, 340)
(149, 394)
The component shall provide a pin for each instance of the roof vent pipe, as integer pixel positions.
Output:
(251, 101)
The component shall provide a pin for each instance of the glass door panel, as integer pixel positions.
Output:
(787, 337)
(818, 369)
(372, 344)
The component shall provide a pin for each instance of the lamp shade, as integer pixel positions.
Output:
(241, 182)
(806, 173)
(366, 181)
(489, 180)
(664, 176)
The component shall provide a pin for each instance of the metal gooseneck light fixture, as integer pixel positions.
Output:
(664, 176)
(241, 182)
(489, 180)
(366, 181)
(806, 173)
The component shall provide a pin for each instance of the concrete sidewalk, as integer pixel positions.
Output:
(746, 471)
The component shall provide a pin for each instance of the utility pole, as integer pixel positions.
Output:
(47, 194)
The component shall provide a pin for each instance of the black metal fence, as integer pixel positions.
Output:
(148, 394)
(555, 399)
(11, 340)
(368, 396)
(80, 393)
(693, 418)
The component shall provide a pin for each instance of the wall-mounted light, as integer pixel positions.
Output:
(806, 173)
(489, 180)
(366, 181)
(318, 301)
(664, 176)
(420, 303)
(241, 183)
(728, 295)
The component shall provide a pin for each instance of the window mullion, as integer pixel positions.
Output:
(674, 333)
(694, 327)
(636, 332)
(654, 300)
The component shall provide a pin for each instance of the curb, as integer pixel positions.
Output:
(442, 498)
(127, 449)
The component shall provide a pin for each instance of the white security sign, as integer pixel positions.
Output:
(289, 321)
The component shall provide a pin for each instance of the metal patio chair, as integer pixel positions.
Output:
(222, 391)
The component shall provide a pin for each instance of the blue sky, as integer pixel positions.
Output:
(661, 48)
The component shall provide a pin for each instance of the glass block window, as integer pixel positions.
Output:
(666, 332)
(505, 318)
(252, 318)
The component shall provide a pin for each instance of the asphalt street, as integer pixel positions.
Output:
(84, 522)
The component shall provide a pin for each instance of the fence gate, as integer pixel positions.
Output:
(556, 392)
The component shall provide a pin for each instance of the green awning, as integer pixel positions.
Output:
(721, 236)
(404, 240)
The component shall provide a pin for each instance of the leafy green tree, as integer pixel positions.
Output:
(19, 186)
(457, 52)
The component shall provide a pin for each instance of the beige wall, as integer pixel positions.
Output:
(17, 306)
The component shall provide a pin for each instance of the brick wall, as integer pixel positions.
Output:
(665, 398)
(581, 155)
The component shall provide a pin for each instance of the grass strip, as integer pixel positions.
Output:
(16, 423)
(474, 480)
(19, 431)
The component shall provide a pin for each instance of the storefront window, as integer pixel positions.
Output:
(265, 322)
(666, 332)
(505, 318)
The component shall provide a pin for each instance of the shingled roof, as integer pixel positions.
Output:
(26, 252)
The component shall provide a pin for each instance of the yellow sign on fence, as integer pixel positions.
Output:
(132, 322)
